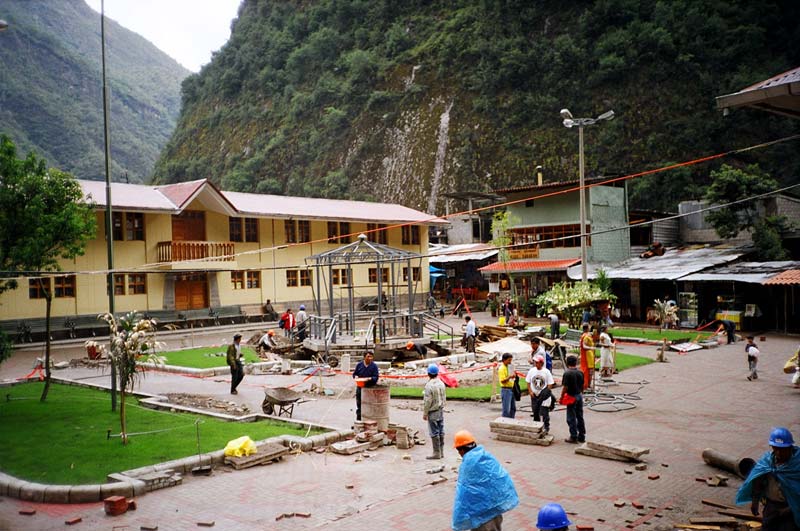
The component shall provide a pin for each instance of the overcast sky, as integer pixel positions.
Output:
(186, 30)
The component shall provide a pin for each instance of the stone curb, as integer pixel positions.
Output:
(126, 483)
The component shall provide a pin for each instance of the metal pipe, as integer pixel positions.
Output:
(739, 466)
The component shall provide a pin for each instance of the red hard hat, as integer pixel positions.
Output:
(410, 345)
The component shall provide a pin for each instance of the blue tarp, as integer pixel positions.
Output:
(484, 490)
(787, 474)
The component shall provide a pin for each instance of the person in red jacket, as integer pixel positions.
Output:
(288, 322)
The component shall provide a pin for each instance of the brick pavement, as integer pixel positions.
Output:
(697, 400)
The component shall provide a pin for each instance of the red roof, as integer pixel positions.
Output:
(790, 277)
(530, 265)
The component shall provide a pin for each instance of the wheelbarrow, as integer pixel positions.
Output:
(281, 399)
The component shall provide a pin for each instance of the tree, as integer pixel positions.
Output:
(43, 219)
(502, 239)
(733, 184)
(131, 338)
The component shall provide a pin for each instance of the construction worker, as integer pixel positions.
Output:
(367, 372)
(433, 400)
(484, 490)
(421, 350)
(552, 517)
(469, 334)
(775, 480)
(234, 358)
(506, 374)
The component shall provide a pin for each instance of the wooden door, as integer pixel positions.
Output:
(191, 291)
(189, 226)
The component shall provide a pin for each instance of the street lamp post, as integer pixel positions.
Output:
(570, 122)
(109, 221)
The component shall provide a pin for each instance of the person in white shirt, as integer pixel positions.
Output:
(301, 319)
(469, 334)
(606, 353)
(540, 382)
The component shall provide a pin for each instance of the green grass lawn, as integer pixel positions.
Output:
(205, 357)
(63, 440)
(657, 335)
(484, 392)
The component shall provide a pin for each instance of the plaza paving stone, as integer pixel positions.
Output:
(697, 400)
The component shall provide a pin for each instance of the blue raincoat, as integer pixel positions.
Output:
(787, 474)
(484, 490)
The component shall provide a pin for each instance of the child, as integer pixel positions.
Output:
(752, 358)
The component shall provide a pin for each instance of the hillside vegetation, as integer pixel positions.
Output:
(404, 101)
(51, 90)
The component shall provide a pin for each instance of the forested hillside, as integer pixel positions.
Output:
(51, 90)
(405, 101)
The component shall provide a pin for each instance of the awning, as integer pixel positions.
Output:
(779, 94)
(529, 266)
(461, 253)
(787, 278)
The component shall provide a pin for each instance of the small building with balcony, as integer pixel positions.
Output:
(191, 246)
(544, 228)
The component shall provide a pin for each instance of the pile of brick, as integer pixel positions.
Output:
(403, 436)
(367, 437)
(161, 480)
(612, 450)
(520, 431)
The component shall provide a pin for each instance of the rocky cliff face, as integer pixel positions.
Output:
(407, 101)
(51, 90)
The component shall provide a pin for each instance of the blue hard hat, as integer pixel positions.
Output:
(433, 369)
(302, 306)
(781, 438)
(552, 516)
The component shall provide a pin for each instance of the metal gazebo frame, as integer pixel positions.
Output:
(360, 252)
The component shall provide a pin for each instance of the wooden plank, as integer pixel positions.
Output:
(625, 450)
(742, 515)
(266, 452)
(719, 505)
(698, 527)
(714, 520)
(591, 452)
(547, 440)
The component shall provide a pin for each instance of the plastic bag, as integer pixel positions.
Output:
(244, 445)
(567, 399)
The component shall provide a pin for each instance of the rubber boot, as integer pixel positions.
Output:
(441, 446)
(437, 449)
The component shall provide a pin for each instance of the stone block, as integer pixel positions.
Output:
(56, 494)
(585, 450)
(349, 447)
(84, 493)
(633, 453)
(13, 486)
(547, 440)
(516, 424)
(295, 442)
(32, 492)
(117, 488)
(318, 441)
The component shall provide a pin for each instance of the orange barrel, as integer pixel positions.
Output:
(375, 405)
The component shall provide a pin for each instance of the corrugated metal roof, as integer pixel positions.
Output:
(674, 264)
(522, 266)
(779, 94)
(546, 186)
(174, 197)
(335, 209)
(786, 278)
(125, 196)
(749, 272)
(461, 252)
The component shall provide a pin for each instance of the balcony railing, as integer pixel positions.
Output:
(188, 250)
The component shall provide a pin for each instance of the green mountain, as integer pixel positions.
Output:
(51, 90)
(405, 101)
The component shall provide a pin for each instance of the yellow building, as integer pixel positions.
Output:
(190, 246)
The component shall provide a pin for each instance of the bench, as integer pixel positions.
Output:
(200, 317)
(255, 313)
(164, 318)
(227, 314)
(572, 335)
(83, 326)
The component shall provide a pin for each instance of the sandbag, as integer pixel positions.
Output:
(244, 445)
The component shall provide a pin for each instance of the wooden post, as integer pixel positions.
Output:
(494, 383)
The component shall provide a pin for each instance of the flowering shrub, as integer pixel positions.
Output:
(569, 299)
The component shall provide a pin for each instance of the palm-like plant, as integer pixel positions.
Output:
(131, 338)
